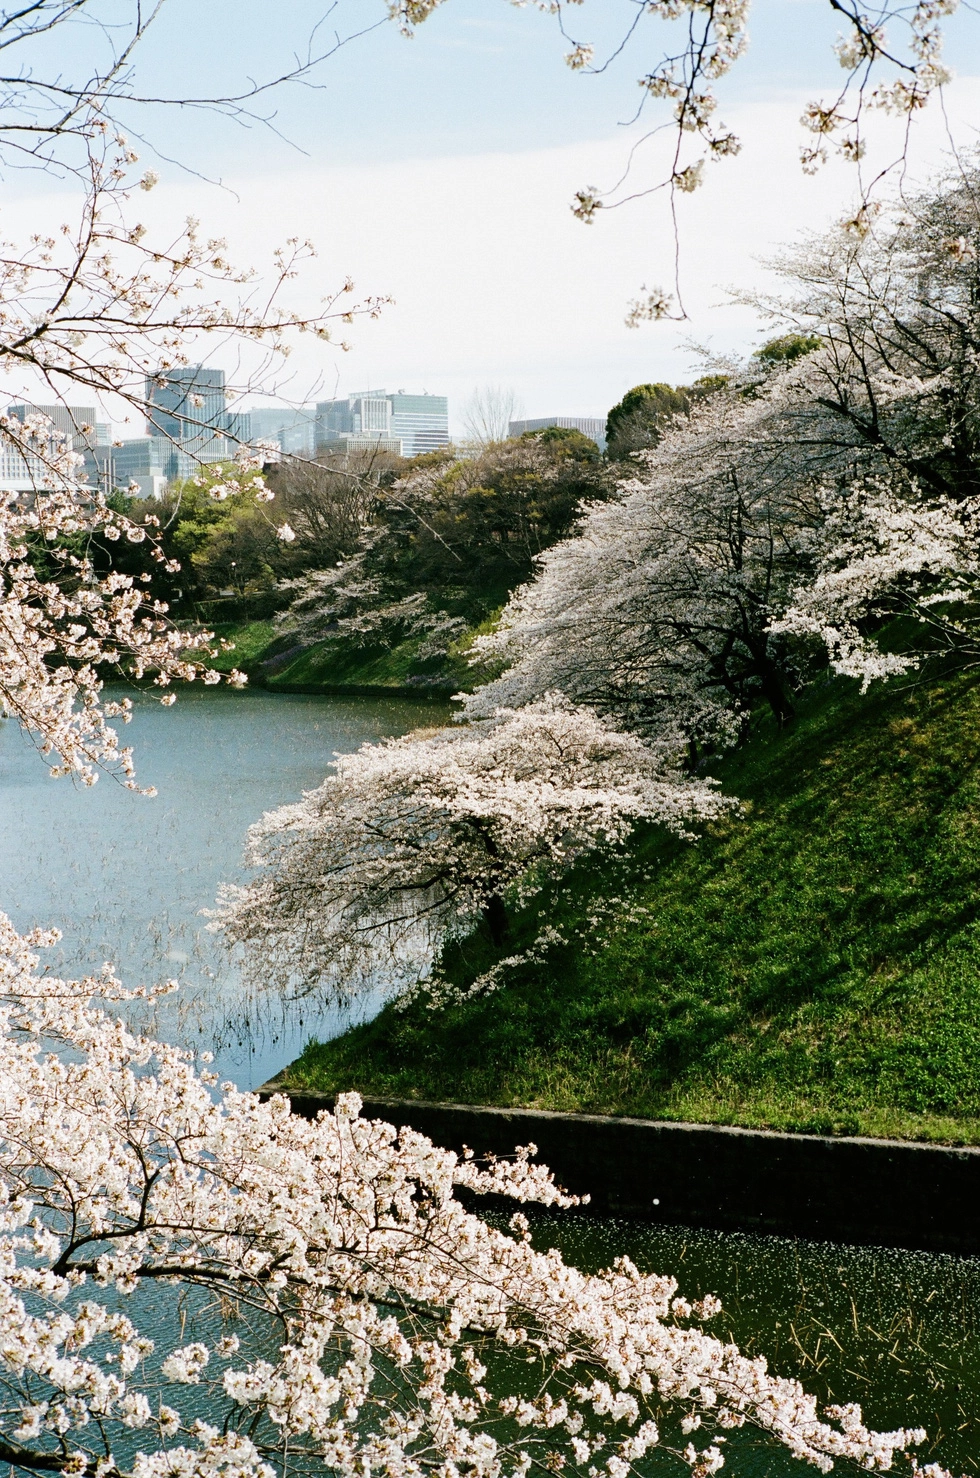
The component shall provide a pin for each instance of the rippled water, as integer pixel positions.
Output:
(125, 877)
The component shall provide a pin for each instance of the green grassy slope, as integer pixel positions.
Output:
(249, 640)
(278, 662)
(814, 965)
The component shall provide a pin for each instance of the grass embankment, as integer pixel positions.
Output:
(282, 664)
(249, 642)
(812, 966)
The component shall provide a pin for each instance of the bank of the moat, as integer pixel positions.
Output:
(812, 966)
(871, 1192)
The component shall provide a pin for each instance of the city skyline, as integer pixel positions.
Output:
(189, 423)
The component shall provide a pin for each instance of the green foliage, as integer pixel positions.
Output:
(637, 420)
(231, 558)
(229, 555)
(787, 347)
(343, 665)
(248, 642)
(226, 548)
(468, 536)
(443, 548)
(340, 665)
(461, 533)
(706, 385)
(566, 439)
(814, 965)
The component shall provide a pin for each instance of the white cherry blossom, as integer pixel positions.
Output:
(412, 842)
(323, 1287)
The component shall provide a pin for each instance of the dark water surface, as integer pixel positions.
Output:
(898, 1332)
(125, 877)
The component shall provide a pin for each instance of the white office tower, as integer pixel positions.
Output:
(370, 414)
(387, 420)
(422, 421)
(591, 426)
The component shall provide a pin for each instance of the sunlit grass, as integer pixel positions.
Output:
(248, 639)
(812, 966)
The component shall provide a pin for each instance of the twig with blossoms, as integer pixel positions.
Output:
(716, 36)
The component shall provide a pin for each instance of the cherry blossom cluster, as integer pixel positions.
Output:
(62, 622)
(416, 840)
(101, 307)
(887, 551)
(329, 1302)
(659, 610)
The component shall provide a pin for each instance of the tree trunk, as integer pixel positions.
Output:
(496, 918)
(774, 693)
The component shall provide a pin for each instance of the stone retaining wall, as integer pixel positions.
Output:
(875, 1191)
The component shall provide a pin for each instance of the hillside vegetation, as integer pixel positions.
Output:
(281, 663)
(812, 965)
(809, 524)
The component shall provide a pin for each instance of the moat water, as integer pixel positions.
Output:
(125, 877)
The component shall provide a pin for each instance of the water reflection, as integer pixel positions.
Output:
(897, 1331)
(125, 877)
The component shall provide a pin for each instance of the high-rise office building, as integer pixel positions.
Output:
(370, 414)
(238, 429)
(422, 422)
(298, 437)
(591, 426)
(69, 420)
(150, 462)
(188, 406)
(419, 422)
(365, 413)
(333, 419)
(292, 427)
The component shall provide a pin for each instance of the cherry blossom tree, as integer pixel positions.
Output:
(895, 307)
(787, 519)
(659, 612)
(197, 1284)
(896, 311)
(415, 841)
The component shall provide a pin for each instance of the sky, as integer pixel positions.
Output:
(439, 170)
